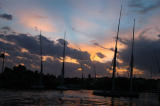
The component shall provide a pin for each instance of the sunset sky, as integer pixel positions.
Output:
(91, 25)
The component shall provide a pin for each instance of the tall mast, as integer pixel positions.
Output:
(94, 68)
(3, 60)
(63, 64)
(3, 57)
(81, 67)
(82, 70)
(115, 52)
(94, 71)
(132, 60)
(40, 38)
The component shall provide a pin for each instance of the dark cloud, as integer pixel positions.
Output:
(61, 42)
(6, 28)
(49, 47)
(144, 6)
(14, 45)
(100, 55)
(6, 16)
(101, 46)
(146, 54)
(122, 40)
(97, 44)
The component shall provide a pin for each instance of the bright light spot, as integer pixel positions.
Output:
(23, 50)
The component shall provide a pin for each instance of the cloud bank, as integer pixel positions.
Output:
(6, 16)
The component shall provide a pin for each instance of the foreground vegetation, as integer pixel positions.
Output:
(22, 79)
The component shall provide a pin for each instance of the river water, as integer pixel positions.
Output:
(72, 98)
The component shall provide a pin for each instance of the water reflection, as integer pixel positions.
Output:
(71, 98)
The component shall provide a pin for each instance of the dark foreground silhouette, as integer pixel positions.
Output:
(20, 78)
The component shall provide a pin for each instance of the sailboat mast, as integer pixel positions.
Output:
(81, 66)
(82, 70)
(95, 73)
(94, 68)
(40, 38)
(132, 60)
(115, 52)
(64, 50)
(3, 61)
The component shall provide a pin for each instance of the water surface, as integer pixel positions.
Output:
(72, 98)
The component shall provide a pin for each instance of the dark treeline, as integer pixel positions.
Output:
(21, 78)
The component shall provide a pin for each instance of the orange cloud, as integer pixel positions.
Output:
(79, 69)
(35, 66)
(20, 64)
(7, 42)
(20, 57)
(37, 19)
(7, 54)
(69, 60)
(123, 71)
(23, 50)
(48, 57)
(137, 71)
(92, 50)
